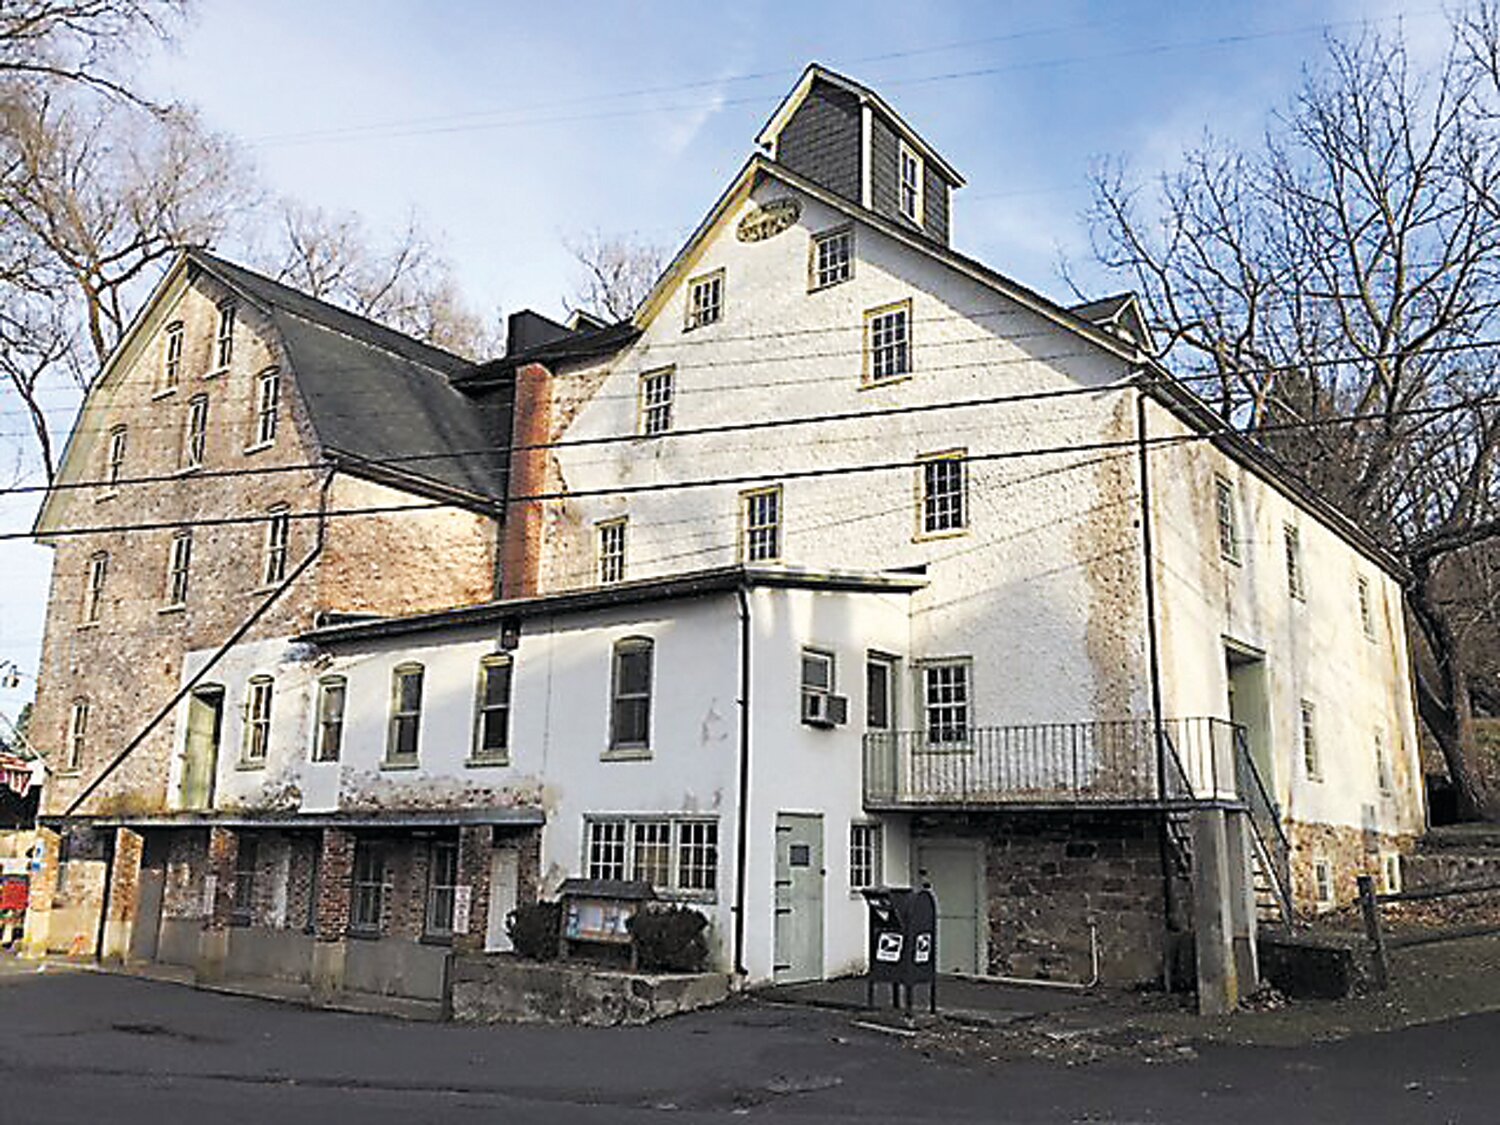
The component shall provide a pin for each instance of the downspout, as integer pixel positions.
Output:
(742, 816)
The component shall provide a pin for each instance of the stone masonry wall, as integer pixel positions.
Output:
(1350, 853)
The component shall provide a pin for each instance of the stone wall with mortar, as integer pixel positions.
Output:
(1350, 853)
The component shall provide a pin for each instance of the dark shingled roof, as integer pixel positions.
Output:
(378, 399)
(585, 343)
(1103, 310)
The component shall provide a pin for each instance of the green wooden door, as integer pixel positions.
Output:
(201, 755)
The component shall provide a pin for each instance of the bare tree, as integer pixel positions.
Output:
(74, 42)
(617, 272)
(1334, 291)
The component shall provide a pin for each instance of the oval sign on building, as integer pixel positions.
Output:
(769, 219)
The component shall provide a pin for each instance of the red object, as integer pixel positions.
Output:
(14, 892)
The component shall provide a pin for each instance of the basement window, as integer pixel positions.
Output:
(1323, 884)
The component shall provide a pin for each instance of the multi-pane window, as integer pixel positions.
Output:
(945, 494)
(1382, 763)
(93, 601)
(171, 368)
(492, 718)
(1390, 873)
(673, 854)
(832, 257)
(864, 856)
(179, 562)
(630, 702)
(888, 342)
(78, 732)
(116, 466)
(329, 739)
(258, 719)
(1323, 883)
(224, 337)
(406, 713)
(367, 888)
(1366, 616)
(880, 696)
(612, 551)
(267, 404)
(911, 183)
(247, 853)
(1224, 513)
(1311, 763)
(1293, 542)
(195, 436)
(705, 300)
(442, 883)
(945, 701)
(278, 535)
(760, 518)
(656, 401)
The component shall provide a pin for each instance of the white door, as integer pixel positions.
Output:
(505, 871)
(799, 897)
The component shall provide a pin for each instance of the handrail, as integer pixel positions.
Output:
(1265, 820)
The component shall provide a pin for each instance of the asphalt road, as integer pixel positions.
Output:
(79, 1047)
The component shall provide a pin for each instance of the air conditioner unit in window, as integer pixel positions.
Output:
(820, 709)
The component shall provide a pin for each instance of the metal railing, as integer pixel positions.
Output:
(1265, 818)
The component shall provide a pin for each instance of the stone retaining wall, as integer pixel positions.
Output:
(498, 988)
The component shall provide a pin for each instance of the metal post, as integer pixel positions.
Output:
(1371, 911)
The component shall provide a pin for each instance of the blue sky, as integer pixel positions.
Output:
(508, 128)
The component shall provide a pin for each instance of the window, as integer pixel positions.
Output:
(630, 709)
(195, 437)
(945, 689)
(1366, 617)
(832, 258)
(179, 559)
(1390, 873)
(492, 719)
(674, 854)
(329, 740)
(888, 343)
(705, 300)
(93, 601)
(1382, 763)
(820, 707)
(224, 337)
(1293, 541)
(258, 719)
(278, 535)
(911, 183)
(247, 852)
(945, 494)
(406, 714)
(656, 401)
(267, 403)
(1310, 763)
(171, 368)
(612, 551)
(116, 466)
(78, 732)
(1323, 883)
(1229, 538)
(760, 521)
(442, 883)
(864, 856)
(880, 695)
(367, 888)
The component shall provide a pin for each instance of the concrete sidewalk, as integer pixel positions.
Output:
(968, 1000)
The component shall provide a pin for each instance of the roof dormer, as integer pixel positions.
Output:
(843, 136)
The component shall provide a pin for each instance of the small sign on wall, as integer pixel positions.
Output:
(462, 896)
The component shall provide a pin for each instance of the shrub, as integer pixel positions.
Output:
(534, 930)
(670, 939)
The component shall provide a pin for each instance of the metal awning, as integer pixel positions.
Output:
(392, 818)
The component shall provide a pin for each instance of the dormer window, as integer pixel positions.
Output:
(911, 183)
(705, 300)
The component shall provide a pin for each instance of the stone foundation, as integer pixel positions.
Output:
(499, 988)
(1350, 852)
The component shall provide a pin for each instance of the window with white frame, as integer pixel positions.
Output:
(195, 435)
(246, 856)
(888, 342)
(116, 465)
(78, 733)
(611, 551)
(257, 719)
(1382, 763)
(832, 257)
(442, 886)
(1323, 884)
(820, 707)
(676, 855)
(367, 888)
(179, 564)
(171, 367)
(406, 714)
(1366, 615)
(864, 856)
(911, 173)
(760, 525)
(945, 701)
(93, 599)
(880, 692)
(1224, 512)
(224, 337)
(1311, 763)
(492, 709)
(705, 300)
(630, 695)
(1292, 539)
(267, 406)
(656, 401)
(1390, 873)
(278, 538)
(328, 741)
(944, 483)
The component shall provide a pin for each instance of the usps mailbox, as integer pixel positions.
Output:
(902, 942)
